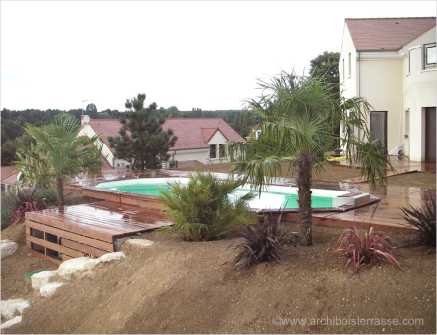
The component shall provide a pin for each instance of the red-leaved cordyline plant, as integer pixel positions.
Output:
(20, 211)
(368, 247)
(26, 202)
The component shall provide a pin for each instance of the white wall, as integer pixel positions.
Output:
(348, 84)
(381, 85)
(382, 78)
(419, 91)
(201, 155)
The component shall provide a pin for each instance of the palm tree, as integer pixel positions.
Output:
(299, 116)
(56, 153)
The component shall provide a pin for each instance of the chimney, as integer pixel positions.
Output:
(84, 119)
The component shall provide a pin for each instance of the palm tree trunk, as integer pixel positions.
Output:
(304, 174)
(60, 190)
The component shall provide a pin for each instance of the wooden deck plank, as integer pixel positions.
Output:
(104, 224)
(56, 247)
(113, 227)
(117, 222)
(68, 235)
(89, 229)
(89, 250)
(85, 227)
(75, 227)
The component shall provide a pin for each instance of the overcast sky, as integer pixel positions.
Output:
(188, 54)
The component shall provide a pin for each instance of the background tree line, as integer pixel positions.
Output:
(13, 122)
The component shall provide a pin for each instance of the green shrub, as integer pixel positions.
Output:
(202, 209)
(8, 205)
(46, 196)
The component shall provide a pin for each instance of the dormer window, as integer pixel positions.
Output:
(212, 151)
(429, 55)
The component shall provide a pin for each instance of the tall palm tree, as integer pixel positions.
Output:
(56, 153)
(299, 116)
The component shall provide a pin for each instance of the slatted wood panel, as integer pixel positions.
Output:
(123, 198)
(86, 230)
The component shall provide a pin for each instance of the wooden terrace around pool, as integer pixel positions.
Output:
(100, 227)
(87, 229)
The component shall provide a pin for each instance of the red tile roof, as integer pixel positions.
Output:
(9, 174)
(387, 34)
(192, 133)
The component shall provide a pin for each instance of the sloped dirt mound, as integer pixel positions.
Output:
(177, 286)
(14, 282)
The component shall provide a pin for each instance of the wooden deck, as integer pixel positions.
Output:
(87, 229)
(384, 215)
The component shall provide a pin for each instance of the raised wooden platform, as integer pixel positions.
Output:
(87, 229)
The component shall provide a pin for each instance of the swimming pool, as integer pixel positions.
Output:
(272, 198)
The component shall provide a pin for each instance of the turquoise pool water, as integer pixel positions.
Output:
(288, 200)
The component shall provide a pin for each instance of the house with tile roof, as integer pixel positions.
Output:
(204, 140)
(9, 176)
(391, 62)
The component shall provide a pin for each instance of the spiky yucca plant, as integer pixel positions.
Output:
(365, 248)
(203, 210)
(424, 219)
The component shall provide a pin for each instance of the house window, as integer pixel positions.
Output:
(429, 55)
(213, 151)
(349, 64)
(342, 68)
(222, 152)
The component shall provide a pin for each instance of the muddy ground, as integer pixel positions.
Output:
(191, 287)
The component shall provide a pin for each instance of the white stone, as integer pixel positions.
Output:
(76, 265)
(41, 278)
(8, 308)
(11, 322)
(7, 248)
(111, 256)
(47, 290)
(139, 243)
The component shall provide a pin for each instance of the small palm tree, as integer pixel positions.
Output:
(299, 116)
(203, 210)
(56, 153)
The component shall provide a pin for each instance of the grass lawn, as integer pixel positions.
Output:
(178, 286)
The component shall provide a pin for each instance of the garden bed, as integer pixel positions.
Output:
(186, 287)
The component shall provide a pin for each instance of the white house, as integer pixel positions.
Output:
(391, 62)
(198, 139)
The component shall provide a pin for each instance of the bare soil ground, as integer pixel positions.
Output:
(14, 283)
(186, 287)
